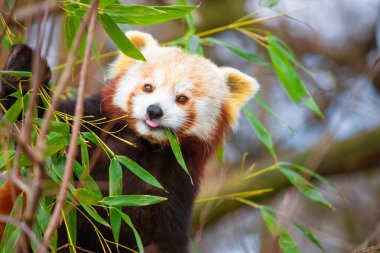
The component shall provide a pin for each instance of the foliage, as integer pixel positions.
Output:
(88, 195)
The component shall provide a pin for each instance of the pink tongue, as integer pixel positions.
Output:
(152, 123)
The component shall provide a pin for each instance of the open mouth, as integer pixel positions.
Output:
(153, 124)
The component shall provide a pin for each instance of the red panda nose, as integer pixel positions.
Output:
(154, 112)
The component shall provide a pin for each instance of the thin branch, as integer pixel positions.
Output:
(55, 220)
(25, 228)
(34, 194)
(7, 19)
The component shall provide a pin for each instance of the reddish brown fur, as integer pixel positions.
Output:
(8, 192)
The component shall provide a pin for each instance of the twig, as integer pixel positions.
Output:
(76, 247)
(7, 19)
(54, 221)
(25, 228)
(34, 194)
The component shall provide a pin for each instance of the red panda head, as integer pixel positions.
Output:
(186, 93)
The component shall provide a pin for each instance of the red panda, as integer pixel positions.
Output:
(185, 93)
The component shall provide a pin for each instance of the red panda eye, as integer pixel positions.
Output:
(182, 99)
(148, 88)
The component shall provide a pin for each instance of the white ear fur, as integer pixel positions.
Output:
(241, 87)
(141, 41)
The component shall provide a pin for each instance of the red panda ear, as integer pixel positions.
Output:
(141, 41)
(241, 88)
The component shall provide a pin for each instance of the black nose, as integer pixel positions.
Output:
(154, 112)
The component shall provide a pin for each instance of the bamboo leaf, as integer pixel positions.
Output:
(189, 18)
(271, 112)
(193, 45)
(285, 241)
(268, 3)
(56, 142)
(139, 171)
(86, 179)
(71, 227)
(145, 15)
(220, 154)
(86, 196)
(127, 220)
(5, 156)
(313, 174)
(14, 111)
(174, 144)
(26, 74)
(132, 200)
(304, 186)
(290, 80)
(309, 235)
(62, 128)
(115, 189)
(95, 215)
(240, 52)
(11, 233)
(260, 130)
(121, 41)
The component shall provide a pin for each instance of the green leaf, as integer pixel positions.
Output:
(132, 200)
(193, 45)
(84, 155)
(220, 154)
(115, 178)
(309, 235)
(62, 128)
(11, 233)
(98, 142)
(121, 41)
(240, 52)
(56, 142)
(304, 186)
(174, 144)
(14, 111)
(145, 15)
(127, 220)
(5, 156)
(115, 189)
(95, 215)
(189, 18)
(285, 241)
(86, 179)
(310, 173)
(16, 73)
(139, 171)
(271, 112)
(86, 196)
(290, 80)
(268, 3)
(260, 130)
(71, 226)
(42, 221)
(72, 24)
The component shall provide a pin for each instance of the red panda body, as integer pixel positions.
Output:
(187, 94)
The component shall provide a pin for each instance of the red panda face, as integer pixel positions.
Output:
(185, 93)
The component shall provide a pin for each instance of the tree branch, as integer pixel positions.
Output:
(56, 216)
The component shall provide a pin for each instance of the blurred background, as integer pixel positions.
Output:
(338, 41)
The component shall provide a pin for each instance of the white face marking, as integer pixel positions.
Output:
(170, 81)
(127, 84)
(158, 77)
(183, 85)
